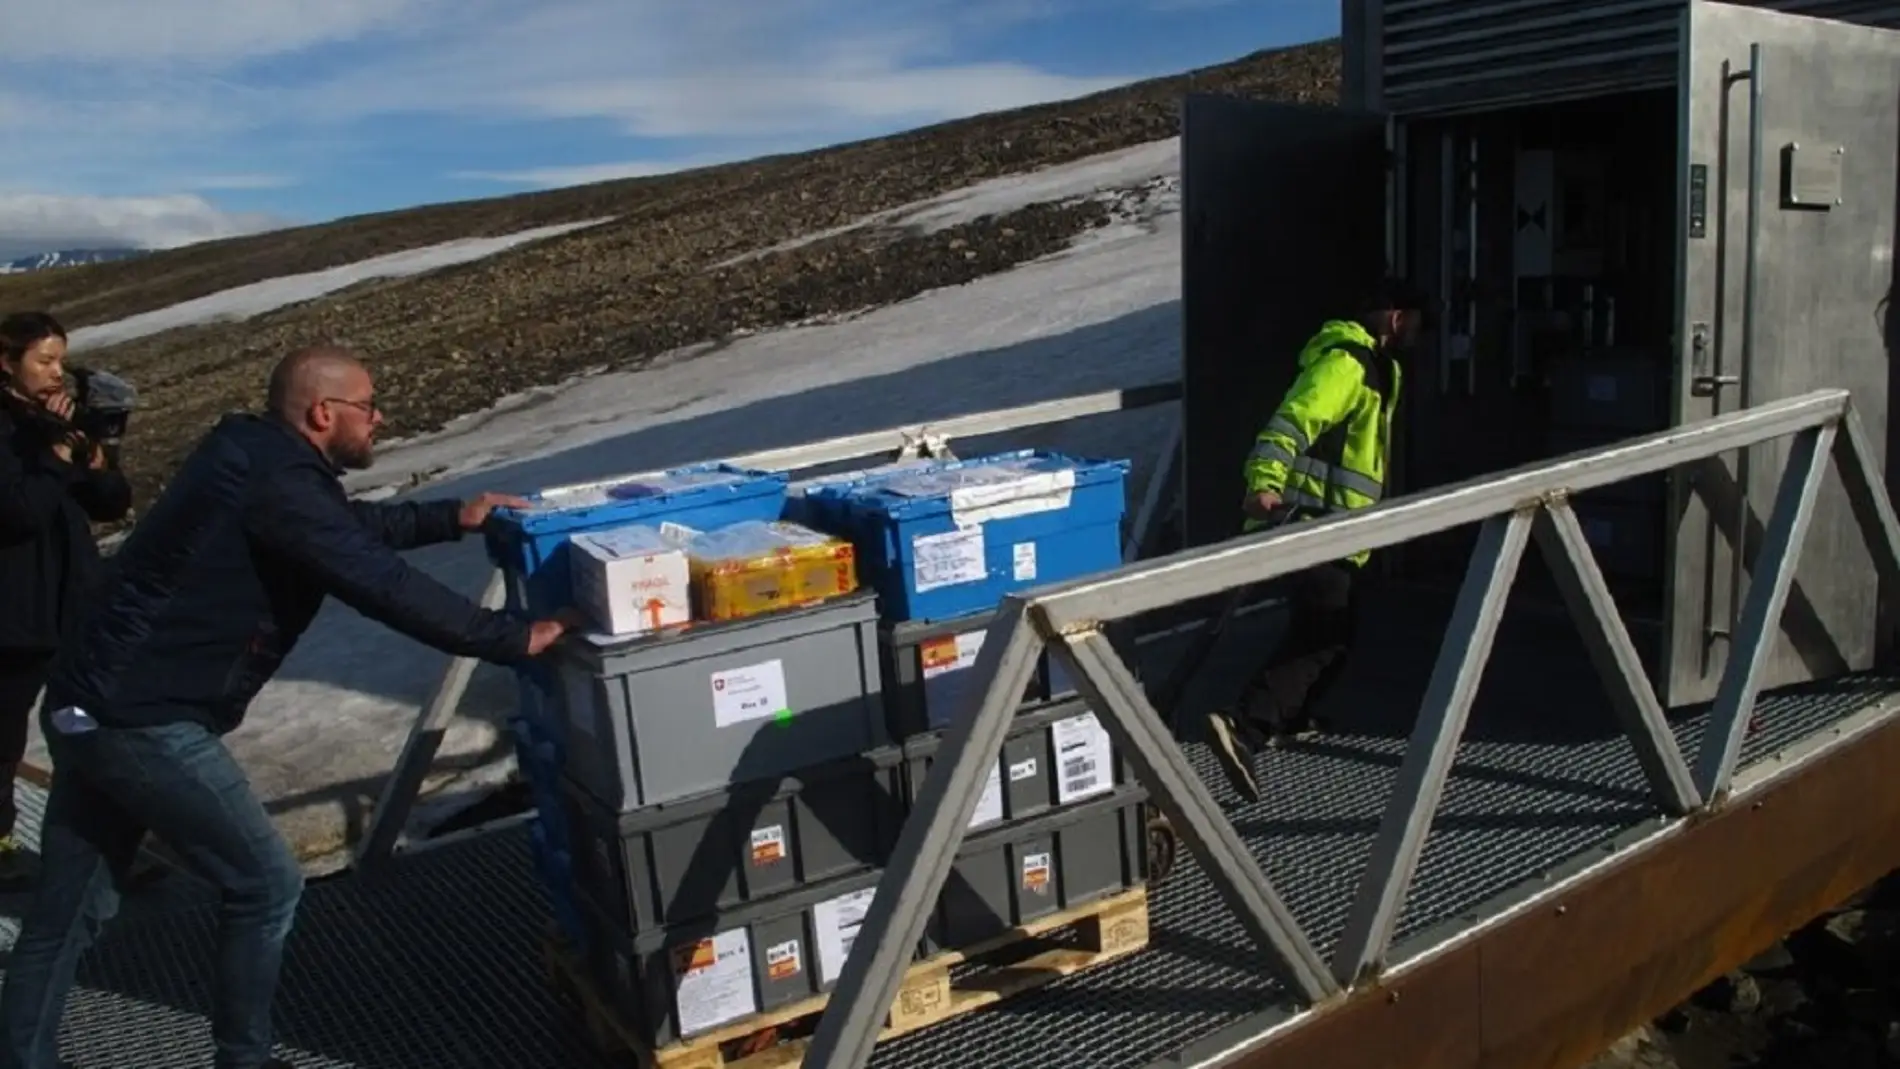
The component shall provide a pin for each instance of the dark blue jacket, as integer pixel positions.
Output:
(48, 557)
(230, 565)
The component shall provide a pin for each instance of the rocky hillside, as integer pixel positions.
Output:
(456, 340)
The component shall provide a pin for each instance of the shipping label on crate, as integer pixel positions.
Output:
(1022, 770)
(782, 961)
(768, 845)
(1037, 872)
(995, 491)
(838, 921)
(1086, 757)
(989, 807)
(939, 658)
(1017, 495)
(950, 653)
(947, 559)
(712, 981)
(755, 692)
(1023, 562)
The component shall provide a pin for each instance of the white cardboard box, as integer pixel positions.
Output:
(632, 580)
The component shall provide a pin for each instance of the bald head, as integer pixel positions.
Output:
(309, 375)
(324, 391)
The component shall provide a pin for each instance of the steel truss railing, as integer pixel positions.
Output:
(399, 792)
(1533, 502)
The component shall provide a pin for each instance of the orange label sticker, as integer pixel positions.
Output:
(1036, 873)
(781, 961)
(768, 845)
(938, 652)
(695, 956)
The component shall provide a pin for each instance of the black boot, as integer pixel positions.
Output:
(1231, 739)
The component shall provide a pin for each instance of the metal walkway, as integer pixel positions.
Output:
(439, 966)
(1553, 905)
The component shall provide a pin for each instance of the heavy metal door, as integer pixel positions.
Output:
(1791, 128)
(1284, 223)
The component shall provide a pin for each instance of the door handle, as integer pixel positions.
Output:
(1702, 381)
(1750, 247)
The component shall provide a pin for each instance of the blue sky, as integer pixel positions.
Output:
(156, 122)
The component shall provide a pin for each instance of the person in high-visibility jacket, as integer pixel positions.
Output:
(1324, 450)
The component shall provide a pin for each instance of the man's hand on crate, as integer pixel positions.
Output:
(475, 512)
(545, 633)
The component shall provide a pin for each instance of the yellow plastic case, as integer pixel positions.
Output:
(756, 567)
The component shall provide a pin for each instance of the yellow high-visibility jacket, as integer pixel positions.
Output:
(1326, 447)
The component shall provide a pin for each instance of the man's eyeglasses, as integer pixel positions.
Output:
(368, 408)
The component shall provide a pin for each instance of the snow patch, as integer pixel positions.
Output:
(257, 298)
(1106, 176)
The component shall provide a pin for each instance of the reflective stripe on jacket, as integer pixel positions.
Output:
(1326, 447)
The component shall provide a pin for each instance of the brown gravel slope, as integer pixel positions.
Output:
(454, 341)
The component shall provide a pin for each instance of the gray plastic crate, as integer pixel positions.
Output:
(1052, 757)
(678, 861)
(766, 955)
(653, 719)
(1024, 870)
(927, 677)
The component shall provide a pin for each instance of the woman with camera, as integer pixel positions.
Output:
(55, 483)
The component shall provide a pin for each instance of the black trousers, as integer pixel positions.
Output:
(22, 674)
(1323, 610)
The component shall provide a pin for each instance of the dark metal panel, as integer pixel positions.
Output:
(1451, 55)
(1805, 316)
(1284, 220)
(1632, 939)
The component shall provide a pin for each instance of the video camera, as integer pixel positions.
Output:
(102, 404)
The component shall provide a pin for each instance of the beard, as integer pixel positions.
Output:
(354, 458)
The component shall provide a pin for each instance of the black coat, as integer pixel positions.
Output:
(49, 559)
(229, 566)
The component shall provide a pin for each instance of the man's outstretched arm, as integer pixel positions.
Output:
(298, 516)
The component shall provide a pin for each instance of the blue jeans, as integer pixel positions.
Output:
(109, 786)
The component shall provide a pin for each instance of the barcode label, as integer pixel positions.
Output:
(838, 922)
(1086, 756)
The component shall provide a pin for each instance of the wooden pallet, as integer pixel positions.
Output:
(1110, 928)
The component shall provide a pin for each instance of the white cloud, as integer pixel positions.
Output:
(31, 222)
(162, 31)
(165, 91)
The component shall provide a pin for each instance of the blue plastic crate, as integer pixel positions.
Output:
(955, 538)
(535, 708)
(814, 502)
(556, 869)
(540, 765)
(532, 543)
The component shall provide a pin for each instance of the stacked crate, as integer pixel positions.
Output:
(715, 802)
(1059, 823)
(533, 548)
(735, 790)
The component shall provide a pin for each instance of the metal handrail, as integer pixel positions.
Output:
(1068, 619)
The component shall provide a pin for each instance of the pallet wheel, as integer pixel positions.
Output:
(1163, 846)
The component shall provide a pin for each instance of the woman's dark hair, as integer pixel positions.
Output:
(23, 330)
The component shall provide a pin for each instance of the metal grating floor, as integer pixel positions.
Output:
(440, 967)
